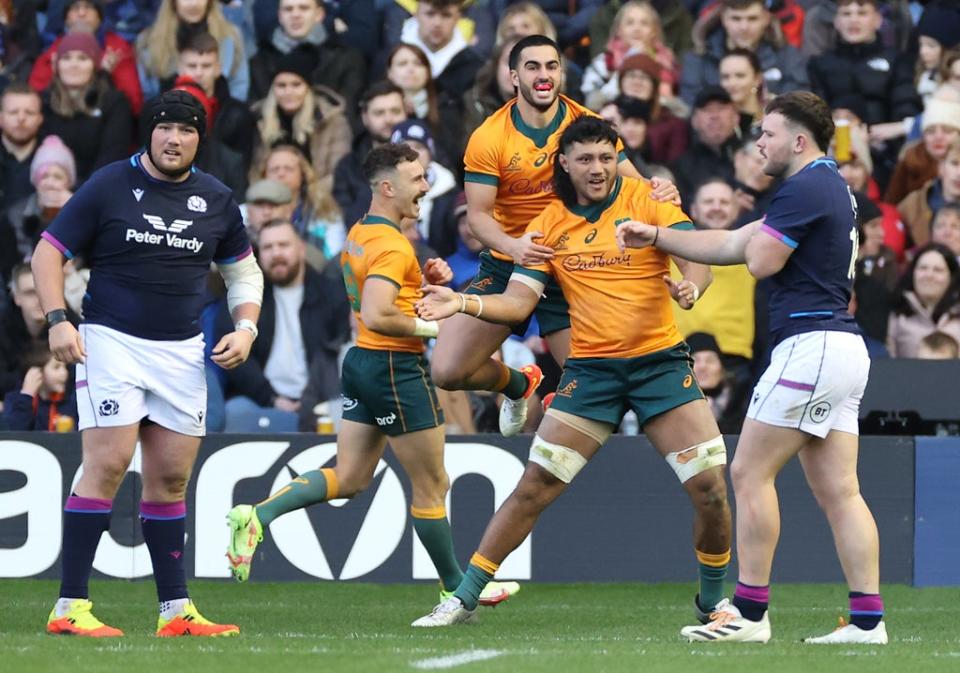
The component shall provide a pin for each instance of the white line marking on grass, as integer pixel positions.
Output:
(458, 659)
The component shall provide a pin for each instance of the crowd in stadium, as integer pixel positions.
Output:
(298, 91)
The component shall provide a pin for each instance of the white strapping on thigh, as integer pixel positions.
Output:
(698, 458)
(560, 461)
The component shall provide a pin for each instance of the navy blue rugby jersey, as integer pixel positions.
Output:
(149, 244)
(813, 212)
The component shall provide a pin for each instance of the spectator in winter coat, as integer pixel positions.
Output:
(927, 301)
(746, 24)
(81, 106)
(117, 59)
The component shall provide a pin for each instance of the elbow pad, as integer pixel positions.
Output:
(244, 282)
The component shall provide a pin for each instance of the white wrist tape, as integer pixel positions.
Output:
(244, 282)
(560, 461)
(425, 328)
(698, 458)
(696, 291)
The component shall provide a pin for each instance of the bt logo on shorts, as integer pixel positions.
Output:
(820, 412)
(386, 420)
(108, 408)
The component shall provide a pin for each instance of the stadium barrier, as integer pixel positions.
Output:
(625, 517)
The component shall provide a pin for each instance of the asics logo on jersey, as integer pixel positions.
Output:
(540, 160)
(174, 227)
(169, 237)
(589, 237)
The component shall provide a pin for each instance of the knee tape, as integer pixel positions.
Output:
(698, 458)
(560, 461)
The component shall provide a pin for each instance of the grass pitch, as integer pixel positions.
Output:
(294, 628)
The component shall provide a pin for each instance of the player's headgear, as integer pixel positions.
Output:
(175, 106)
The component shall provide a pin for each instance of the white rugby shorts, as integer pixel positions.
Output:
(126, 379)
(814, 383)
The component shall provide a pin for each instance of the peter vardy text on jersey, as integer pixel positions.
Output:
(172, 240)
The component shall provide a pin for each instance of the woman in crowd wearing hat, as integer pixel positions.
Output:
(919, 160)
(81, 106)
(118, 58)
(177, 21)
(667, 134)
(312, 118)
(742, 77)
(53, 174)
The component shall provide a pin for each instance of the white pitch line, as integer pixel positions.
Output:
(458, 659)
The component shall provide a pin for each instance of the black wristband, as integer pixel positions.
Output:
(57, 315)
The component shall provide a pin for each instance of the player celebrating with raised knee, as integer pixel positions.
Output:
(626, 353)
(149, 226)
(807, 401)
(387, 392)
(509, 173)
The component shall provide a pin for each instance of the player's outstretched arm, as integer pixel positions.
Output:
(66, 344)
(714, 246)
(508, 308)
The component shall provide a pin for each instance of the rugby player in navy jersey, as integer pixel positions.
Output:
(148, 226)
(807, 401)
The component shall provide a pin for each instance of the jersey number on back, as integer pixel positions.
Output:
(854, 238)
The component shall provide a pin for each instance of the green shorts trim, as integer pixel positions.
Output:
(552, 311)
(390, 390)
(602, 389)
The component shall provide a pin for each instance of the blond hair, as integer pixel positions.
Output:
(318, 203)
(160, 39)
(544, 24)
(651, 13)
(304, 121)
